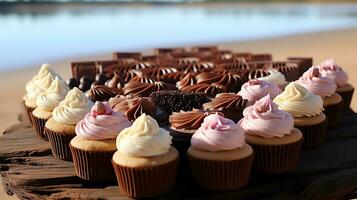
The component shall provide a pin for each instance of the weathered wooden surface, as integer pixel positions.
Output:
(329, 172)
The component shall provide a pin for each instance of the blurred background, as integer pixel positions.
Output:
(33, 32)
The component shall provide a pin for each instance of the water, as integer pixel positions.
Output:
(35, 35)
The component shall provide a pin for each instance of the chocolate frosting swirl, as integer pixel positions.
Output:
(231, 81)
(190, 120)
(208, 77)
(210, 89)
(102, 93)
(188, 79)
(143, 89)
(133, 106)
(226, 101)
(257, 73)
(198, 67)
(114, 82)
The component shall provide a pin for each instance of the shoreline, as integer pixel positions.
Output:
(338, 44)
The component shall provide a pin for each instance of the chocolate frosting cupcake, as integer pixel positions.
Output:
(230, 104)
(210, 89)
(143, 89)
(133, 106)
(189, 120)
(102, 93)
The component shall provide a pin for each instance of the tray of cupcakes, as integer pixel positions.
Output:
(204, 115)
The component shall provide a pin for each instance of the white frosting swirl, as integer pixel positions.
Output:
(39, 83)
(274, 77)
(73, 108)
(144, 138)
(50, 99)
(298, 101)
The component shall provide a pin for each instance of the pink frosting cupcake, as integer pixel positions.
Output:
(102, 123)
(217, 134)
(331, 70)
(272, 135)
(254, 89)
(94, 145)
(263, 117)
(218, 148)
(313, 81)
(325, 87)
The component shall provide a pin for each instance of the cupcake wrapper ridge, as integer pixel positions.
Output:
(59, 143)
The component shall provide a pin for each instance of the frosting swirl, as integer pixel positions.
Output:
(73, 108)
(299, 102)
(189, 120)
(218, 134)
(264, 119)
(210, 89)
(226, 101)
(101, 123)
(275, 77)
(188, 79)
(102, 93)
(144, 138)
(39, 85)
(254, 89)
(316, 84)
(208, 77)
(143, 89)
(50, 98)
(331, 70)
(133, 106)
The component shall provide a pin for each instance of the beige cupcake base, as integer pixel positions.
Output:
(221, 171)
(276, 155)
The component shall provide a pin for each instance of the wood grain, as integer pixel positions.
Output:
(329, 172)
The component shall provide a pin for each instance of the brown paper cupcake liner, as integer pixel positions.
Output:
(221, 175)
(146, 181)
(272, 159)
(347, 97)
(92, 165)
(59, 143)
(314, 135)
(28, 111)
(333, 114)
(39, 125)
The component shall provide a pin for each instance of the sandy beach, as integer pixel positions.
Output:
(340, 45)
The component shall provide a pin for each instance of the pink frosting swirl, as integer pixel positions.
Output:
(217, 134)
(102, 123)
(264, 119)
(331, 70)
(313, 81)
(254, 89)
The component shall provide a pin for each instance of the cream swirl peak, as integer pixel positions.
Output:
(274, 77)
(101, 123)
(50, 98)
(218, 134)
(331, 70)
(254, 89)
(313, 81)
(299, 102)
(144, 138)
(73, 108)
(40, 85)
(44, 70)
(264, 119)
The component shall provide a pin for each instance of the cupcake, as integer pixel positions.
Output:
(46, 102)
(219, 158)
(145, 164)
(182, 126)
(39, 83)
(230, 104)
(94, 144)
(272, 135)
(133, 106)
(325, 87)
(330, 69)
(275, 77)
(254, 89)
(306, 108)
(60, 128)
